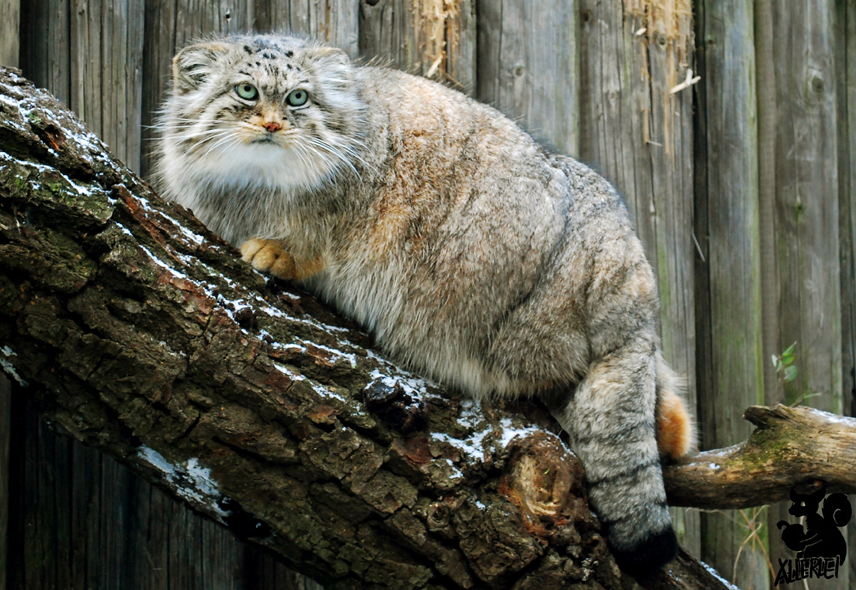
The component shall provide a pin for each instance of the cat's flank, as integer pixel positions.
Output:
(471, 253)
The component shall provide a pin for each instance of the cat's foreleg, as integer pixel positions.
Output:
(272, 257)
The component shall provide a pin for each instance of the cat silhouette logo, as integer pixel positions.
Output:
(819, 544)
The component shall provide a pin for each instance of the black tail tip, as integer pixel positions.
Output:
(647, 557)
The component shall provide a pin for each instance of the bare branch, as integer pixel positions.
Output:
(790, 447)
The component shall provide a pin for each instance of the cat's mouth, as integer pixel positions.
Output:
(265, 139)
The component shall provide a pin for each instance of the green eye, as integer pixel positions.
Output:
(247, 91)
(297, 98)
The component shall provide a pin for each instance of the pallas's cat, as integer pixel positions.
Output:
(471, 253)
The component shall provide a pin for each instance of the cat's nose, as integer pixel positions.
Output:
(273, 126)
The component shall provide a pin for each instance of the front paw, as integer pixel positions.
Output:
(269, 256)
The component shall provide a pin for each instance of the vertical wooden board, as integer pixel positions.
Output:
(154, 532)
(846, 67)
(329, 21)
(39, 507)
(10, 42)
(110, 42)
(807, 212)
(807, 201)
(85, 464)
(114, 526)
(431, 38)
(670, 59)
(614, 107)
(221, 556)
(528, 66)
(730, 371)
(845, 43)
(62, 498)
(45, 55)
(386, 32)
(86, 94)
(5, 471)
(169, 26)
(13, 576)
(262, 572)
(141, 570)
(87, 52)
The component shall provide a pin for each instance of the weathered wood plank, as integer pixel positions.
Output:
(328, 21)
(431, 38)
(845, 43)
(807, 201)
(10, 39)
(88, 52)
(386, 32)
(45, 55)
(670, 54)
(807, 208)
(640, 136)
(730, 375)
(5, 472)
(528, 66)
(614, 96)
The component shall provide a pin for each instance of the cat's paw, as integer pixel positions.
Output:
(646, 557)
(269, 256)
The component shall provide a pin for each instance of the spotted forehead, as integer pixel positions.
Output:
(273, 65)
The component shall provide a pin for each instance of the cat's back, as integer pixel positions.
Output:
(418, 116)
(448, 141)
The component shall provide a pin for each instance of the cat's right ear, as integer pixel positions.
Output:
(193, 64)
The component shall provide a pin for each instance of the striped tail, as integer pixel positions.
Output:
(611, 420)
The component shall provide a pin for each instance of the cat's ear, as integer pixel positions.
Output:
(328, 56)
(194, 63)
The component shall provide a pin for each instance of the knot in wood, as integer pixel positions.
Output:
(398, 410)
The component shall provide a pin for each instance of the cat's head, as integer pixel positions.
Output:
(262, 111)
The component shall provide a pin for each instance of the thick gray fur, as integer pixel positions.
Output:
(471, 253)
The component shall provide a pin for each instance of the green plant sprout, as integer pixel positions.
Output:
(784, 364)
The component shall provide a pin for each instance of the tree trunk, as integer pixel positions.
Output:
(259, 407)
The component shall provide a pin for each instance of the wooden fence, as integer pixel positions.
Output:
(741, 186)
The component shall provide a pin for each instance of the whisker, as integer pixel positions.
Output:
(321, 144)
(223, 142)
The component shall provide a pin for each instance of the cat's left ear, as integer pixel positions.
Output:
(193, 64)
(328, 56)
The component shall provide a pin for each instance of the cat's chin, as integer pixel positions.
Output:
(265, 164)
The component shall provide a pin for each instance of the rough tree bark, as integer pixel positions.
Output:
(259, 407)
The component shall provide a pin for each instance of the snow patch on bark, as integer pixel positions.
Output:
(7, 366)
(190, 480)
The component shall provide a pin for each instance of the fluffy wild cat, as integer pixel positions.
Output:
(471, 253)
